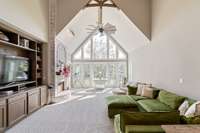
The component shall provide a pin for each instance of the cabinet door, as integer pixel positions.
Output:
(17, 108)
(33, 100)
(2, 114)
(44, 95)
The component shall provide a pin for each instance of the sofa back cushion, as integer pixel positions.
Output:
(170, 99)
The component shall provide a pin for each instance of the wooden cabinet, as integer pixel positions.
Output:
(17, 108)
(14, 108)
(2, 114)
(43, 95)
(33, 100)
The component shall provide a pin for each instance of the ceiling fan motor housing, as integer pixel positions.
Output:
(101, 30)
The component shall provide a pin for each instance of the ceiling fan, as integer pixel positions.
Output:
(108, 28)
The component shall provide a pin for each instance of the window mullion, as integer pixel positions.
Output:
(82, 53)
(91, 54)
(108, 48)
(117, 53)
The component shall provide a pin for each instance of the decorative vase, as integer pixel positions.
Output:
(3, 37)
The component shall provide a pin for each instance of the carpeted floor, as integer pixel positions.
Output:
(84, 112)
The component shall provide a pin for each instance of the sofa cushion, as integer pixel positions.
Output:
(170, 99)
(136, 98)
(132, 90)
(148, 118)
(120, 101)
(153, 105)
(144, 129)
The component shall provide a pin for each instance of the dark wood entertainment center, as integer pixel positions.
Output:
(26, 96)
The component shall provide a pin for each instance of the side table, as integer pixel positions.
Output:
(181, 128)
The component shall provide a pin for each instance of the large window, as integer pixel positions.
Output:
(99, 58)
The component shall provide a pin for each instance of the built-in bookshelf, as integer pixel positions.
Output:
(19, 99)
(24, 46)
(39, 66)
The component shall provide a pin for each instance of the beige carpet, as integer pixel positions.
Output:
(84, 112)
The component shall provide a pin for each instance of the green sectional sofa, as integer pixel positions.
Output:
(137, 114)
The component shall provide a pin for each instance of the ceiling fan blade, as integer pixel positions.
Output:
(90, 29)
(94, 26)
(109, 27)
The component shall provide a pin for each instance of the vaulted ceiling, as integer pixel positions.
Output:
(133, 22)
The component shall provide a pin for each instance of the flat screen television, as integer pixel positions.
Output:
(13, 69)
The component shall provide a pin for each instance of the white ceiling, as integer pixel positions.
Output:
(128, 35)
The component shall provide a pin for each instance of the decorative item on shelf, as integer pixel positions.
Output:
(124, 81)
(38, 49)
(24, 43)
(59, 67)
(66, 71)
(39, 75)
(4, 37)
(58, 72)
(38, 58)
(38, 67)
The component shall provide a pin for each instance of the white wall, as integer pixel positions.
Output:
(31, 16)
(173, 53)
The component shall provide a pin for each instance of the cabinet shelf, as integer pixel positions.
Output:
(17, 84)
(16, 45)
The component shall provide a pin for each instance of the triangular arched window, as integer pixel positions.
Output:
(100, 47)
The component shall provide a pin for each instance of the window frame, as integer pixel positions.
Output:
(107, 60)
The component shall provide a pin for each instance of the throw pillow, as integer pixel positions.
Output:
(170, 99)
(147, 92)
(140, 88)
(192, 110)
(132, 90)
(183, 108)
(198, 109)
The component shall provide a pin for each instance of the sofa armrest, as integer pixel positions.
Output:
(132, 90)
(148, 118)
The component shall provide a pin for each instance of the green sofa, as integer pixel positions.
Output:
(137, 114)
(143, 122)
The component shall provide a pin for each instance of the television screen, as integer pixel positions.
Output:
(13, 69)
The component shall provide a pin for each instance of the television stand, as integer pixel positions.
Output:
(10, 83)
(18, 84)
